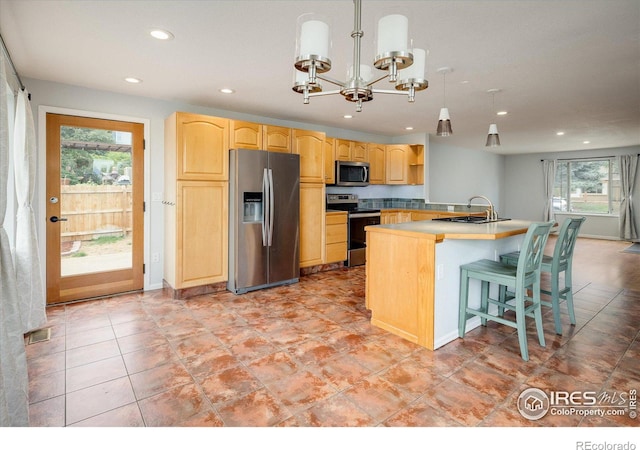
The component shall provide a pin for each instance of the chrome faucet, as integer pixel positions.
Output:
(492, 214)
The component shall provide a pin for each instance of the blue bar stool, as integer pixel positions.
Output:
(526, 274)
(560, 262)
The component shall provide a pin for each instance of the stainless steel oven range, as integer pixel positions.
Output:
(358, 218)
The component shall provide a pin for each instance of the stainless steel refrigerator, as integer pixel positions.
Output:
(264, 209)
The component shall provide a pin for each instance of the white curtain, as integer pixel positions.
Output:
(628, 167)
(549, 173)
(27, 258)
(14, 404)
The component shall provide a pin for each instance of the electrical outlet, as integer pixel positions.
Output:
(156, 196)
(155, 257)
(440, 272)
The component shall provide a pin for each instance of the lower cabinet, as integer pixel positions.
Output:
(335, 237)
(197, 234)
(312, 213)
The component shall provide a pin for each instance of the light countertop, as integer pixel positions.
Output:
(440, 230)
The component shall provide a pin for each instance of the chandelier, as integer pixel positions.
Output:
(404, 66)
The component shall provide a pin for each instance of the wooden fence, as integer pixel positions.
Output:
(95, 210)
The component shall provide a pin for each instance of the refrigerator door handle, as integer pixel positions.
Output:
(271, 207)
(265, 215)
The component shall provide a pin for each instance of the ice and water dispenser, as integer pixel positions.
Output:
(252, 207)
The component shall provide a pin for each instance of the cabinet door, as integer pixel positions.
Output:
(310, 146)
(201, 232)
(277, 139)
(245, 135)
(329, 161)
(343, 150)
(312, 219)
(359, 152)
(376, 163)
(396, 164)
(202, 147)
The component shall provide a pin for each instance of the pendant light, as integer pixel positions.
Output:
(444, 121)
(493, 139)
(404, 65)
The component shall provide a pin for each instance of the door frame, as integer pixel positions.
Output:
(41, 191)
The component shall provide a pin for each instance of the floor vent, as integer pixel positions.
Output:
(41, 335)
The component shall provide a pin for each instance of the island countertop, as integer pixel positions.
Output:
(440, 230)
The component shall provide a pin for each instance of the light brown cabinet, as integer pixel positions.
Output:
(198, 147)
(376, 163)
(201, 233)
(404, 164)
(347, 150)
(245, 135)
(310, 145)
(397, 164)
(196, 200)
(329, 161)
(335, 237)
(276, 139)
(312, 216)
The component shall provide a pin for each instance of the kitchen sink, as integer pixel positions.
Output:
(470, 219)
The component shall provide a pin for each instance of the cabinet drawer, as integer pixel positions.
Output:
(336, 252)
(336, 233)
(335, 219)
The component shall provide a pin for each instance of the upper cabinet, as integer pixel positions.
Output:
(201, 146)
(376, 163)
(404, 164)
(276, 139)
(397, 164)
(346, 150)
(310, 145)
(416, 164)
(245, 135)
(329, 161)
(359, 152)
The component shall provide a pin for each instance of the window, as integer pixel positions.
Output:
(587, 186)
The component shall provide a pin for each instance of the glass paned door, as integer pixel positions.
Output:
(94, 207)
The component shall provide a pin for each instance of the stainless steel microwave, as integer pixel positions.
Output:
(352, 173)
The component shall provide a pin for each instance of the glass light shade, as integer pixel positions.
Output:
(493, 139)
(393, 31)
(313, 38)
(415, 70)
(444, 123)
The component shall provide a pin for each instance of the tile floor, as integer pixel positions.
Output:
(306, 355)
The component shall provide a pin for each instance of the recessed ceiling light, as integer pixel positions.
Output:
(348, 116)
(560, 133)
(162, 35)
(227, 91)
(408, 128)
(501, 113)
(133, 80)
(586, 142)
(464, 82)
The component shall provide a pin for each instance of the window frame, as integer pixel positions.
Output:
(612, 212)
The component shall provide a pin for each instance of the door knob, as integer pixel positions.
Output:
(58, 219)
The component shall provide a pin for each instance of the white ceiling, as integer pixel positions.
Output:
(560, 64)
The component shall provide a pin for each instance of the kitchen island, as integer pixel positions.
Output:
(413, 273)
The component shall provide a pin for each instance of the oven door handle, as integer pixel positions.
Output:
(362, 215)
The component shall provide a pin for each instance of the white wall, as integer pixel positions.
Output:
(455, 174)
(44, 93)
(524, 189)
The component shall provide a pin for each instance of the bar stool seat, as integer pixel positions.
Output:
(524, 275)
(560, 262)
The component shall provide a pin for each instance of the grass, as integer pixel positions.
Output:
(106, 240)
